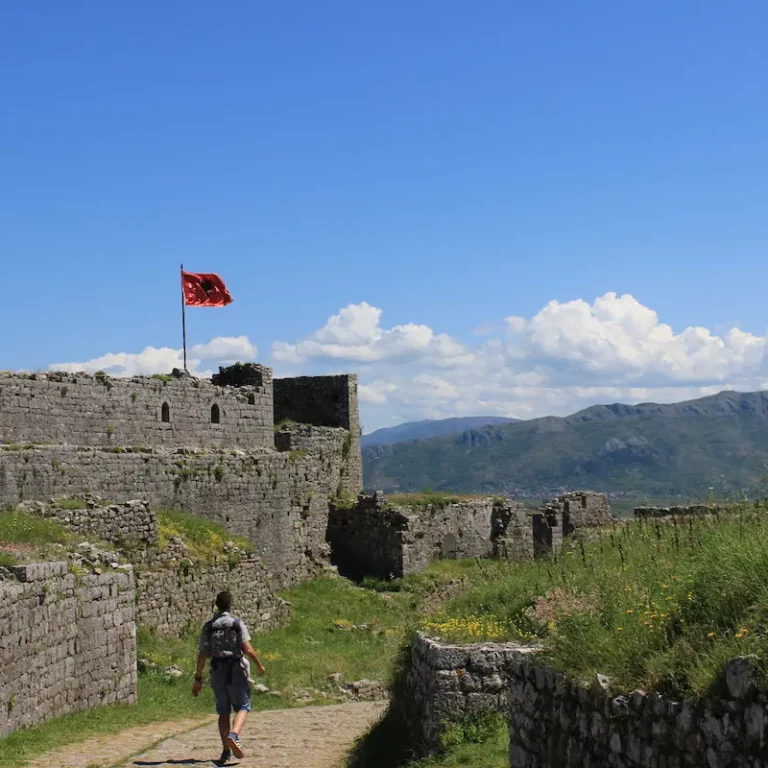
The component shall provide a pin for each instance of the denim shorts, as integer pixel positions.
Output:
(234, 695)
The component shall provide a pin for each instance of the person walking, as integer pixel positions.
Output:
(225, 640)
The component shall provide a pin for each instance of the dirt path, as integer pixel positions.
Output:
(310, 737)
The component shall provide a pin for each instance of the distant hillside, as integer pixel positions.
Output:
(421, 430)
(659, 450)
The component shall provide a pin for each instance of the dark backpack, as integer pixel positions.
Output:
(226, 642)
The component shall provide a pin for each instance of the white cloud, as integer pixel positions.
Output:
(222, 349)
(567, 356)
(355, 335)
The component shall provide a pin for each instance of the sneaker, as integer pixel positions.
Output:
(225, 757)
(233, 743)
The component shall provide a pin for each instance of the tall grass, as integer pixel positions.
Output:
(654, 605)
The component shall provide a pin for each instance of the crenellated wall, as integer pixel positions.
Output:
(67, 644)
(79, 410)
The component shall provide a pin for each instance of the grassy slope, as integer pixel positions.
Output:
(660, 450)
(643, 605)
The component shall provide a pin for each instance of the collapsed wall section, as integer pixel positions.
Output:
(278, 500)
(79, 409)
(393, 540)
(579, 509)
(67, 645)
(325, 401)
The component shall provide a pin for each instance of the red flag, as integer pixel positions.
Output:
(204, 290)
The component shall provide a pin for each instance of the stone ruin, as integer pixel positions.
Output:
(385, 539)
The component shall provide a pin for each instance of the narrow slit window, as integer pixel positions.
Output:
(251, 399)
(215, 415)
(165, 413)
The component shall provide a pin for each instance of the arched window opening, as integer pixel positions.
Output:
(251, 399)
(166, 413)
(215, 415)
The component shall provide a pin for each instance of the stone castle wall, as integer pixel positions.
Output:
(67, 645)
(325, 401)
(278, 500)
(171, 600)
(78, 409)
(580, 509)
(379, 538)
(128, 523)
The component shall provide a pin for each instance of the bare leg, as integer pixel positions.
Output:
(240, 717)
(224, 727)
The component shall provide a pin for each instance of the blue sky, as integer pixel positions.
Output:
(425, 165)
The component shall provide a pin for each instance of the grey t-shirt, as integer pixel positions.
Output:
(221, 621)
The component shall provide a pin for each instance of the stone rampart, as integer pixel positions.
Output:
(79, 409)
(325, 401)
(554, 722)
(172, 599)
(128, 523)
(445, 683)
(278, 500)
(67, 644)
(379, 538)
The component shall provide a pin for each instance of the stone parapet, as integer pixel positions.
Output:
(444, 683)
(554, 722)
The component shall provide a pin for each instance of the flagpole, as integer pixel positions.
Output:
(183, 317)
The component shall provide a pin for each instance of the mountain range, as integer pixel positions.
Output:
(421, 430)
(713, 444)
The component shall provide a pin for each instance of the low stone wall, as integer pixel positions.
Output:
(131, 522)
(446, 683)
(172, 599)
(692, 510)
(66, 645)
(378, 538)
(554, 723)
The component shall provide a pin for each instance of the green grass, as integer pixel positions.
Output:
(22, 528)
(481, 741)
(205, 539)
(652, 605)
